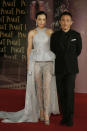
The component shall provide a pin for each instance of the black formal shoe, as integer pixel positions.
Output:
(69, 123)
(63, 121)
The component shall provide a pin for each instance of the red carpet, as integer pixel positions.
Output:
(13, 100)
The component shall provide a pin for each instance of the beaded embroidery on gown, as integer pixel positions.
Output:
(31, 111)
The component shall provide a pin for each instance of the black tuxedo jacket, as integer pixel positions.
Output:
(67, 47)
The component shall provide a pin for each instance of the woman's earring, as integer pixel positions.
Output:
(36, 24)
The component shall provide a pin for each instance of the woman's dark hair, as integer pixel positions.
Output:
(41, 13)
(65, 13)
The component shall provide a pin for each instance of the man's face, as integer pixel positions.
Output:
(41, 21)
(65, 22)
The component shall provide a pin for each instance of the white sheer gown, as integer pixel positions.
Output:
(40, 92)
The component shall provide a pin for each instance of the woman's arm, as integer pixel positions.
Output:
(29, 48)
(49, 31)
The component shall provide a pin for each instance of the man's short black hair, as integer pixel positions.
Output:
(65, 13)
(41, 13)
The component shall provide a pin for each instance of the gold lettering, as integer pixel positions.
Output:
(23, 3)
(13, 19)
(13, 42)
(6, 35)
(17, 50)
(3, 27)
(15, 27)
(6, 11)
(3, 49)
(14, 57)
(20, 12)
(2, 19)
(21, 35)
(9, 4)
(2, 42)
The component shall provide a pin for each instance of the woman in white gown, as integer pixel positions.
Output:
(41, 93)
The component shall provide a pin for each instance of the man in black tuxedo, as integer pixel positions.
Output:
(66, 44)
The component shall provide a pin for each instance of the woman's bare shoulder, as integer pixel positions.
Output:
(49, 31)
(32, 32)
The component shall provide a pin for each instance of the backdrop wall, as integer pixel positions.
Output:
(17, 18)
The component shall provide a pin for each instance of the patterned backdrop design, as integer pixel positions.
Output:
(17, 18)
